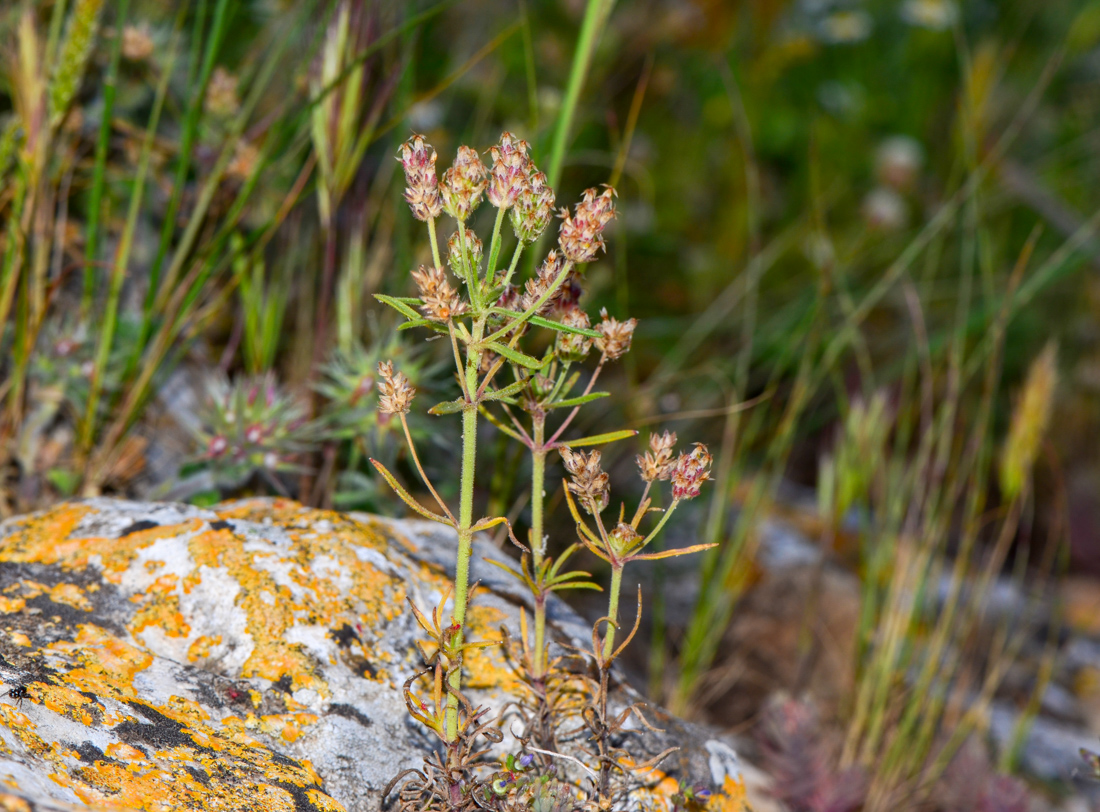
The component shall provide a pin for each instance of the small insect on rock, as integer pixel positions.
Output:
(19, 693)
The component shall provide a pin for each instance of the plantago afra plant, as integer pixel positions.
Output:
(470, 297)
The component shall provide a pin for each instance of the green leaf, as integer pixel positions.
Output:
(507, 391)
(448, 407)
(398, 305)
(578, 401)
(599, 439)
(563, 328)
(515, 356)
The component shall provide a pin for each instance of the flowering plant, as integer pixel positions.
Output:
(485, 314)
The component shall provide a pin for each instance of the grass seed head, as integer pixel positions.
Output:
(615, 335)
(658, 463)
(508, 177)
(691, 471)
(534, 207)
(590, 482)
(441, 302)
(573, 346)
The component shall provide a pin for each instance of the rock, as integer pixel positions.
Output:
(247, 657)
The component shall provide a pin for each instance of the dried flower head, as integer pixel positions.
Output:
(547, 272)
(534, 207)
(615, 335)
(137, 42)
(454, 252)
(421, 187)
(440, 301)
(509, 298)
(221, 94)
(574, 346)
(581, 234)
(464, 184)
(691, 471)
(590, 482)
(395, 393)
(508, 177)
(658, 463)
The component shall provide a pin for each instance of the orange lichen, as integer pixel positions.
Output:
(70, 595)
(200, 649)
(10, 606)
(160, 608)
(108, 664)
(69, 703)
(10, 803)
(20, 639)
(732, 798)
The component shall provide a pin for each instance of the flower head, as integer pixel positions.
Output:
(454, 252)
(658, 462)
(441, 302)
(421, 186)
(464, 184)
(508, 177)
(590, 482)
(395, 392)
(581, 234)
(691, 471)
(624, 538)
(615, 335)
(574, 346)
(534, 207)
(550, 269)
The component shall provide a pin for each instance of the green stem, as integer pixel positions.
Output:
(594, 15)
(465, 518)
(538, 543)
(512, 267)
(435, 242)
(612, 610)
(494, 247)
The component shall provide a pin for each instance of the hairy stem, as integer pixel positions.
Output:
(538, 542)
(612, 610)
(465, 516)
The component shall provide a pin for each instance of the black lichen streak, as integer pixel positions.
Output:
(163, 733)
(202, 776)
(90, 754)
(349, 712)
(138, 526)
(284, 684)
(344, 636)
(220, 524)
(302, 803)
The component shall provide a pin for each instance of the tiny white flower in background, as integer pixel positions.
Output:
(897, 161)
(884, 209)
(846, 27)
(271, 460)
(936, 15)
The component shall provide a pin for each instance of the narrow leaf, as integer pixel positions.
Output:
(598, 439)
(448, 407)
(398, 305)
(578, 401)
(507, 391)
(695, 548)
(515, 356)
(406, 497)
(563, 328)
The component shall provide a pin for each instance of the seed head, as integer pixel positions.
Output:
(454, 252)
(421, 187)
(581, 234)
(137, 42)
(590, 482)
(508, 177)
(658, 463)
(573, 346)
(624, 538)
(691, 471)
(441, 302)
(221, 93)
(395, 393)
(464, 184)
(615, 335)
(534, 207)
(548, 271)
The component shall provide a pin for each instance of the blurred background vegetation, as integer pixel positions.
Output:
(858, 237)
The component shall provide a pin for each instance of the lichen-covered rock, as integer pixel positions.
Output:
(248, 657)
